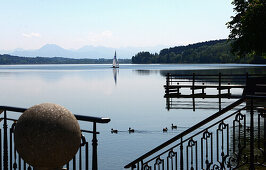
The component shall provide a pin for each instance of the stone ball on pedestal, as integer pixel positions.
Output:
(47, 136)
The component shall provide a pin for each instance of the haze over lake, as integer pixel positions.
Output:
(131, 96)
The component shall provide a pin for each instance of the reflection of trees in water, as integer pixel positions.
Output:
(223, 70)
(146, 72)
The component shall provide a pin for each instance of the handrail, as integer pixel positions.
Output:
(92, 119)
(203, 130)
(79, 117)
(13, 109)
(179, 136)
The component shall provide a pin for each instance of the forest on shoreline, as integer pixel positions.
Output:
(216, 51)
(6, 59)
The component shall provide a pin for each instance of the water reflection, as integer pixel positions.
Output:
(146, 72)
(200, 69)
(115, 72)
(90, 90)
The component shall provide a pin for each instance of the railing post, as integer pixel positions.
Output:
(264, 143)
(0, 149)
(220, 83)
(181, 155)
(252, 167)
(94, 148)
(5, 156)
(193, 91)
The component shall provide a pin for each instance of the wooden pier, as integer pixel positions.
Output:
(204, 86)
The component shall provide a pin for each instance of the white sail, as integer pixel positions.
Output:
(115, 62)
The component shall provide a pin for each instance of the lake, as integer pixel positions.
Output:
(131, 96)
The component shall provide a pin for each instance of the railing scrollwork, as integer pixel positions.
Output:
(222, 141)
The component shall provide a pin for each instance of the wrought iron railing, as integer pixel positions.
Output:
(228, 139)
(10, 159)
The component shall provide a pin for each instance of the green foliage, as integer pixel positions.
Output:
(217, 51)
(248, 29)
(9, 59)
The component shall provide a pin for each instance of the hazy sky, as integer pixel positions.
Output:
(30, 24)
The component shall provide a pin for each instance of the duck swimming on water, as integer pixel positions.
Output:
(174, 126)
(165, 129)
(131, 130)
(114, 130)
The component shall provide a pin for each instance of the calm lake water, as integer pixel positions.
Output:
(131, 96)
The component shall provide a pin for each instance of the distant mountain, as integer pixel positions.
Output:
(53, 50)
(48, 50)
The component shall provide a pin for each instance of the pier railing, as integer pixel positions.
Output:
(204, 86)
(86, 158)
(228, 139)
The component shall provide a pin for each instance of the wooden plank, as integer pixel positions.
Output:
(200, 95)
(226, 87)
(262, 85)
(205, 86)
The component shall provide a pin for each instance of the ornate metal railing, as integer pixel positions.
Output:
(228, 139)
(10, 159)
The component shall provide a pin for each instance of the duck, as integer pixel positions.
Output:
(130, 130)
(174, 126)
(114, 130)
(165, 129)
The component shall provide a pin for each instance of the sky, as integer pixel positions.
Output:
(72, 24)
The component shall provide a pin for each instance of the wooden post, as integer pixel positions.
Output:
(246, 80)
(167, 83)
(229, 89)
(202, 90)
(193, 91)
(193, 84)
(168, 103)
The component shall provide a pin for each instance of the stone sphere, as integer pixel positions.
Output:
(47, 135)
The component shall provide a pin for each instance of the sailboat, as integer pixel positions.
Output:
(115, 62)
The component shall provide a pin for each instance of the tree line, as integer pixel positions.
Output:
(6, 59)
(217, 51)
